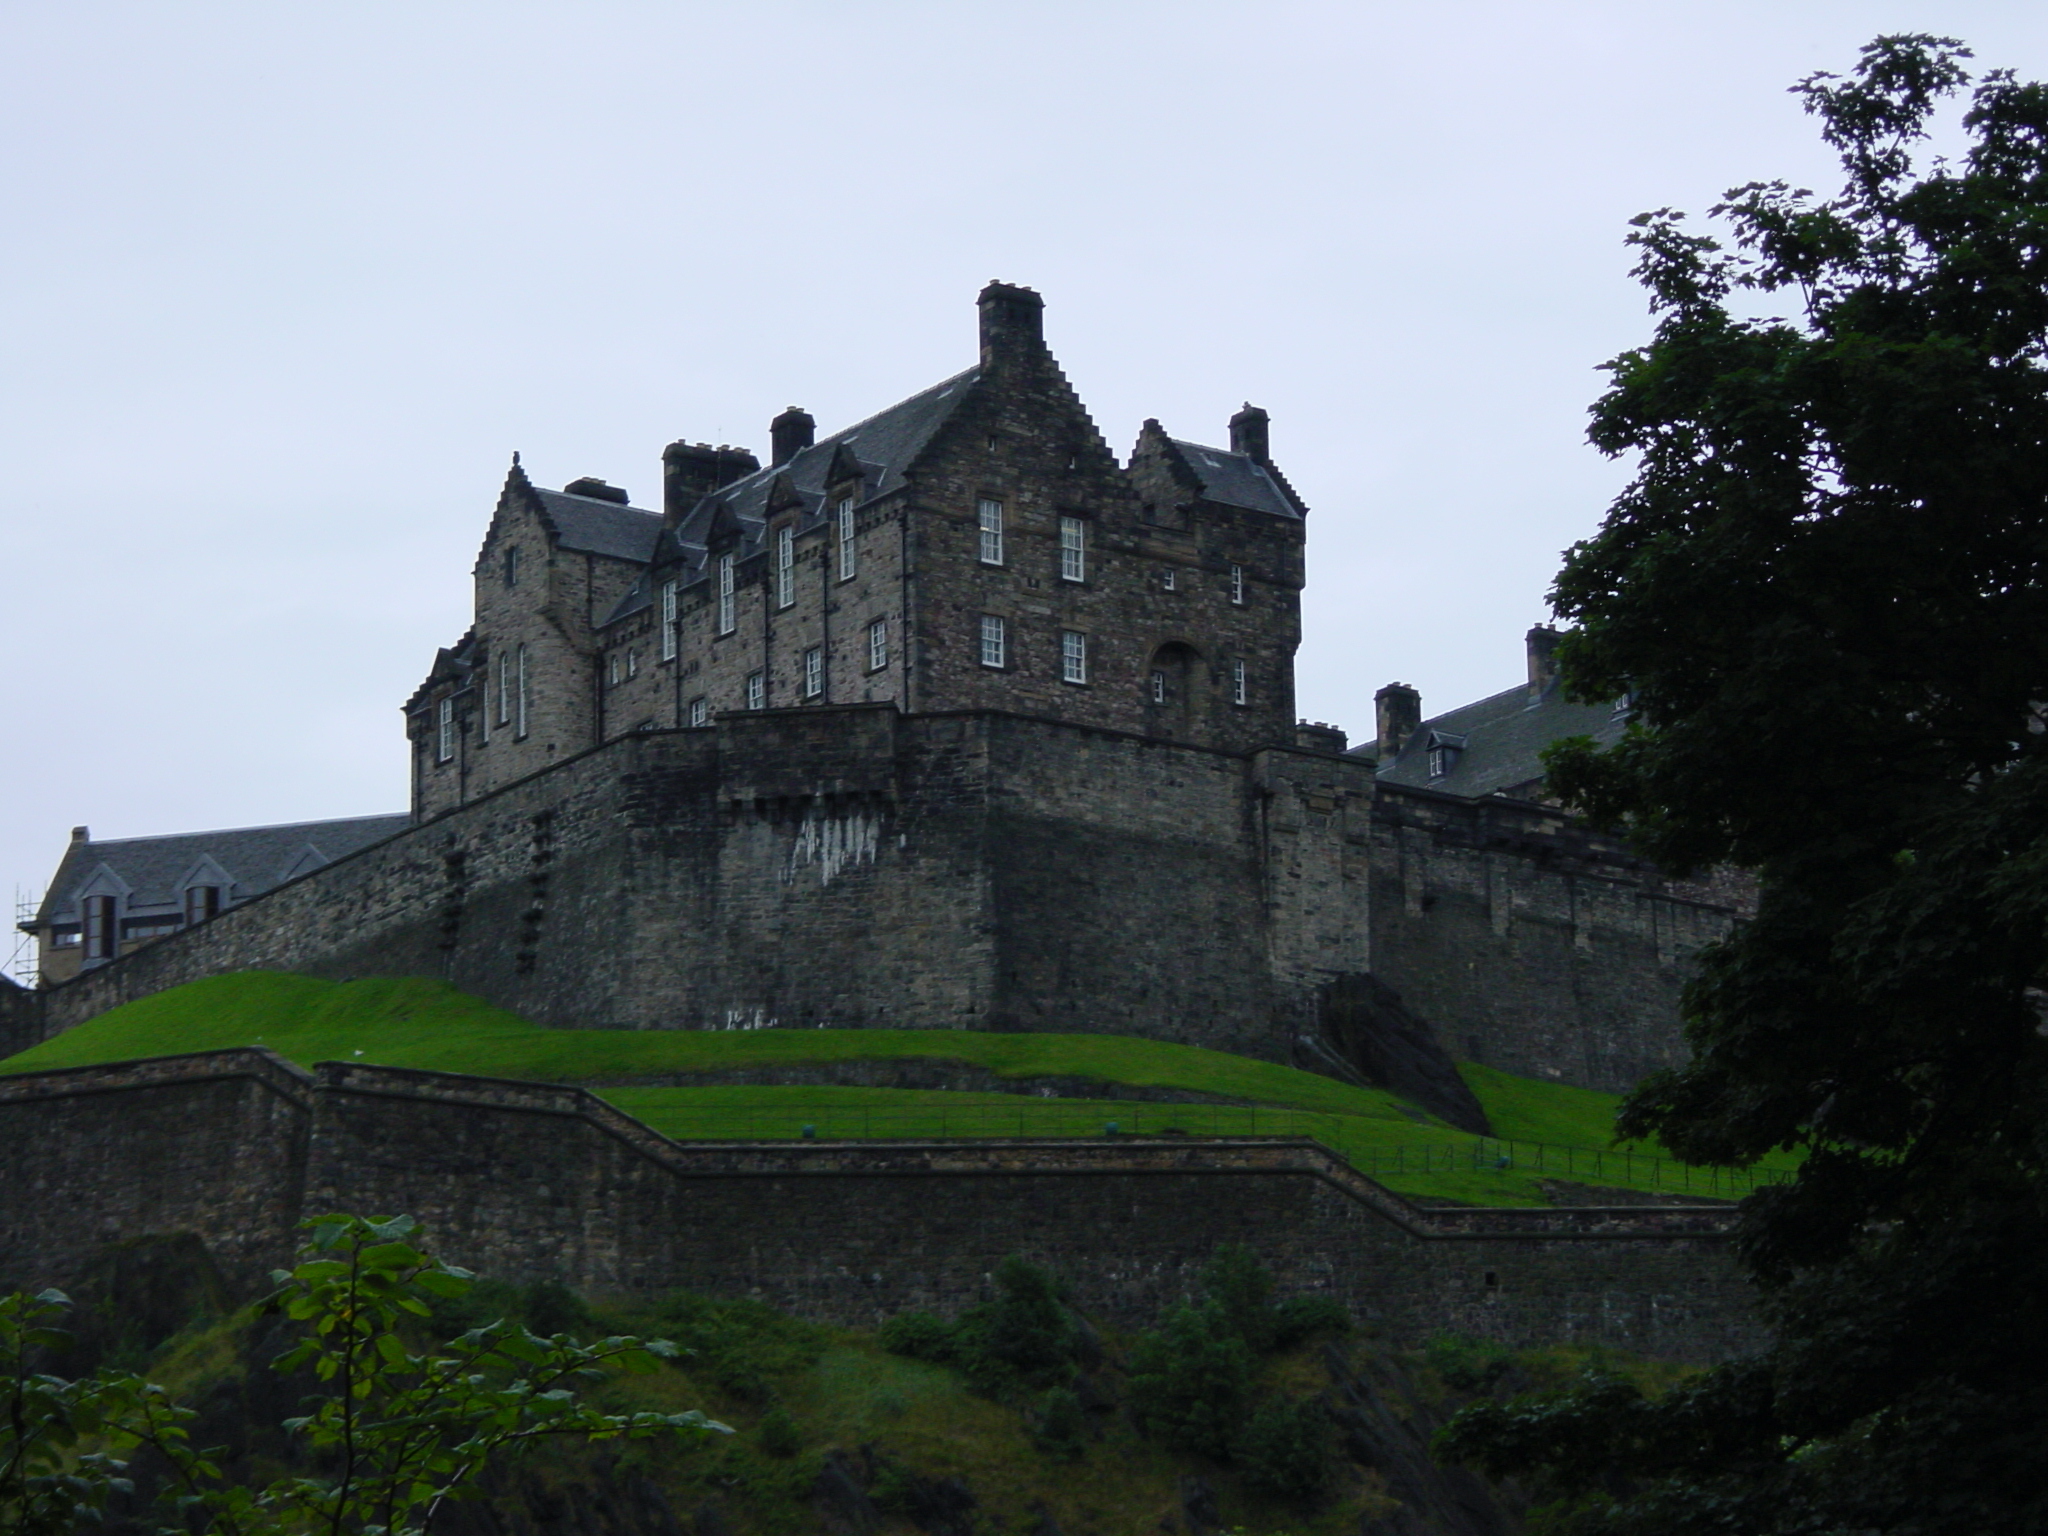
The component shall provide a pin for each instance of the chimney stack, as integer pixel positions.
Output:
(1542, 643)
(692, 471)
(790, 434)
(1012, 321)
(81, 834)
(1249, 433)
(1398, 708)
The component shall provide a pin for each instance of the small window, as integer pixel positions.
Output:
(504, 665)
(512, 565)
(700, 711)
(444, 732)
(1166, 581)
(814, 672)
(785, 567)
(1073, 549)
(991, 518)
(994, 641)
(64, 938)
(1158, 687)
(878, 645)
(728, 618)
(1238, 692)
(1073, 656)
(849, 555)
(99, 928)
(1440, 760)
(519, 680)
(757, 690)
(611, 673)
(668, 621)
(1237, 584)
(633, 663)
(201, 902)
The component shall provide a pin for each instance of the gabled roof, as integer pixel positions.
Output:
(1502, 738)
(587, 525)
(1239, 480)
(154, 869)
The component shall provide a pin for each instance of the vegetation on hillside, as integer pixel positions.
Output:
(1826, 595)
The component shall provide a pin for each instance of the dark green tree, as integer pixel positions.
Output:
(1825, 596)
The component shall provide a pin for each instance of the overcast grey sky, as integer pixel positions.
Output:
(285, 285)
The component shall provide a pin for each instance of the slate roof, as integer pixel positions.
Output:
(1502, 736)
(883, 447)
(585, 523)
(254, 858)
(1238, 480)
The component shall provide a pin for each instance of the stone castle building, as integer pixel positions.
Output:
(953, 719)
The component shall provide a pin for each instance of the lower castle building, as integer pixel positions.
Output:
(952, 719)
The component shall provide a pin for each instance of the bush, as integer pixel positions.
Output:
(1285, 1449)
(1023, 1337)
(778, 1433)
(551, 1308)
(1300, 1318)
(741, 1344)
(1466, 1364)
(1191, 1380)
(1241, 1289)
(919, 1336)
(1062, 1431)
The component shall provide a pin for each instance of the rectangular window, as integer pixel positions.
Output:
(785, 567)
(878, 645)
(1073, 549)
(1237, 584)
(727, 619)
(1158, 687)
(611, 674)
(632, 663)
(1237, 688)
(991, 532)
(668, 621)
(700, 711)
(994, 641)
(512, 566)
(504, 664)
(1073, 656)
(847, 558)
(444, 731)
(519, 668)
(99, 927)
(201, 902)
(757, 690)
(1166, 580)
(814, 672)
(483, 714)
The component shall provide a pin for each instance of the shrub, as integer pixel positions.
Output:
(919, 1336)
(1023, 1337)
(1062, 1431)
(551, 1308)
(740, 1344)
(1191, 1380)
(778, 1433)
(1285, 1449)
(1241, 1289)
(1299, 1318)
(1466, 1364)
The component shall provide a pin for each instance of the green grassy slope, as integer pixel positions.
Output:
(413, 1022)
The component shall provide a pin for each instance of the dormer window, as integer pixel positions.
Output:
(201, 902)
(785, 567)
(728, 618)
(444, 731)
(1444, 752)
(849, 555)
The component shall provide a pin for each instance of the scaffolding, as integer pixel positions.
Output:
(22, 963)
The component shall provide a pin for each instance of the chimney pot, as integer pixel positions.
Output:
(1397, 709)
(1249, 433)
(790, 434)
(692, 471)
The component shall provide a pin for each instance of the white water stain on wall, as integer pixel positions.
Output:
(833, 844)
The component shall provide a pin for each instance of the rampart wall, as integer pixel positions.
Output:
(525, 1181)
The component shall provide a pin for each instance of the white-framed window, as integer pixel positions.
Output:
(1440, 760)
(991, 519)
(1073, 656)
(668, 621)
(1158, 687)
(504, 665)
(1166, 581)
(1238, 693)
(612, 671)
(633, 663)
(995, 641)
(814, 671)
(519, 669)
(757, 690)
(878, 645)
(444, 732)
(728, 618)
(1237, 584)
(700, 711)
(785, 567)
(1073, 549)
(849, 559)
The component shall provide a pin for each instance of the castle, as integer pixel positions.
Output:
(951, 719)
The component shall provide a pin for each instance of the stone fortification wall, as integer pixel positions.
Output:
(525, 1181)
(1532, 944)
